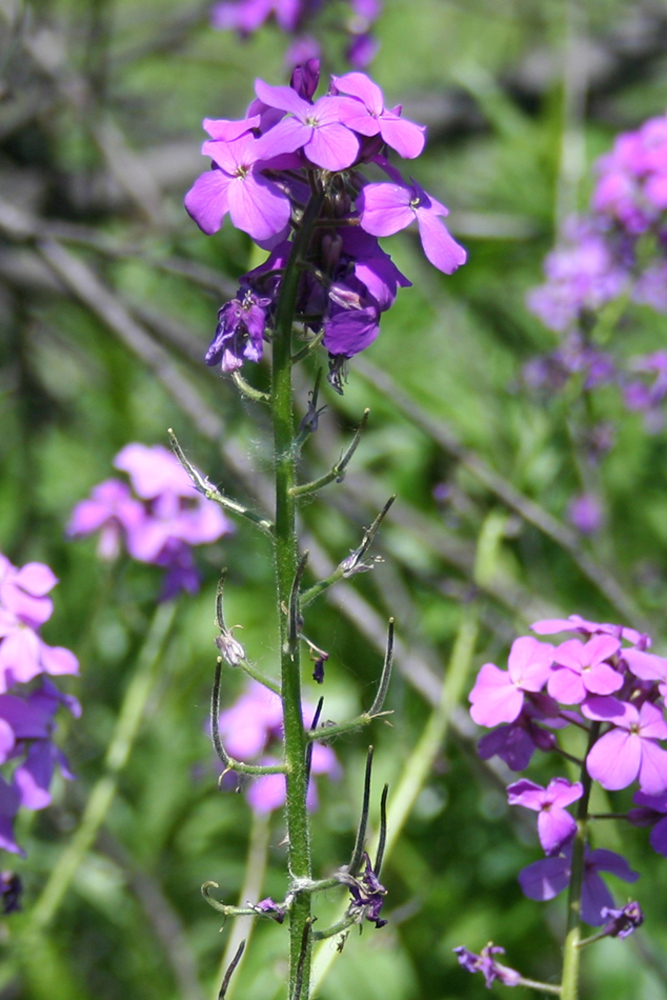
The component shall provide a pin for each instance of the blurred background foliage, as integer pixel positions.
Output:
(108, 298)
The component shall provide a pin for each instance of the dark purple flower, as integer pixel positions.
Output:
(11, 888)
(544, 880)
(240, 333)
(274, 910)
(555, 826)
(623, 922)
(367, 894)
(487, 965)
(652, 811)
(517, 742)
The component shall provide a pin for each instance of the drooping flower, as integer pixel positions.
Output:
(623, 922)
(486, 963)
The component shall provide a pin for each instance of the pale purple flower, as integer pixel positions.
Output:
(251, 727)
(555, 826)
(317, 128)
(370, 117)
(387, 208)
(487, 965)
(545, 879)
(112, 510)
(23, 591)
(582, 275)
(579, 670)
(629, 750)
(498, 695)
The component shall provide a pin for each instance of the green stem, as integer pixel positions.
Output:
(571, 950)
(286, 561)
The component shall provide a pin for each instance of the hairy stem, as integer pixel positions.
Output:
(287, 562)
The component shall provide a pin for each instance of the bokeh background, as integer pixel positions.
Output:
(108, 299)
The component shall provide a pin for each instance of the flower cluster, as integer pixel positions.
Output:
(298, 18)
(608, 684)
(158, 523)
(618, 249)
(250, 729)
(29, 699)
(291, 150)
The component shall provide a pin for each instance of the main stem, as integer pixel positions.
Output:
(571, 950)
(286, 560)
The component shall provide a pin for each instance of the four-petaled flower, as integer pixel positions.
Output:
(555, 826)
(629, 750)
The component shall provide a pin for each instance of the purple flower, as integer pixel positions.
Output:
(370, 117)
(582, 275)
(237, 185)
(249, 728)
(160, 524)
(544, 880)
(629, 750)
(487, 965)
(11, 889)
(579, 669)
(317, 128)
(24, 607)
(498, 695)
(112, 510)
(555, 826)
(387, 208)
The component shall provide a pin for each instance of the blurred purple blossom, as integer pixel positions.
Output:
(159, 523)
(298, 18)
(585, 513)
(27, 714)
(250, 728)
